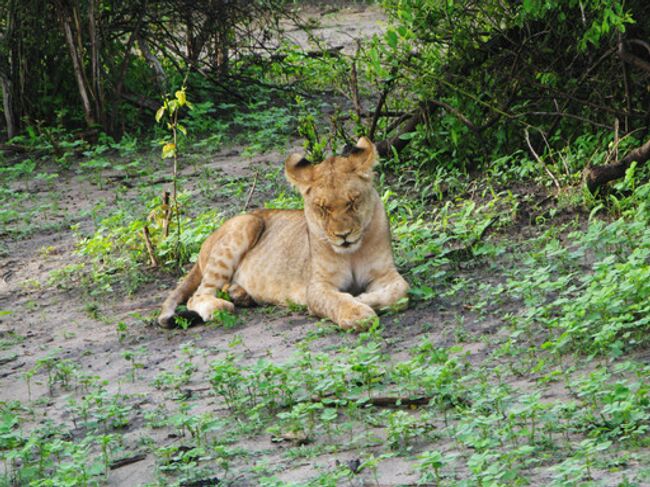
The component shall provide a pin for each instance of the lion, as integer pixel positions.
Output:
(334, 257)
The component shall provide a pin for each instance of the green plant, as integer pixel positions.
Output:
(170, 110)
(135, 357)
(430, 466)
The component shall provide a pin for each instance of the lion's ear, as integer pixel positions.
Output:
(298, 170)
(363, 157)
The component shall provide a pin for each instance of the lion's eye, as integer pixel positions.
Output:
(352, 203)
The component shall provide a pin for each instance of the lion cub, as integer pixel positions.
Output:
(334, 257)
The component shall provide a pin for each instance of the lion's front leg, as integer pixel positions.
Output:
(206, 305)
(342, 308)
(384, 291)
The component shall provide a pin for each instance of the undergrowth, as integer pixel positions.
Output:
(520, 361)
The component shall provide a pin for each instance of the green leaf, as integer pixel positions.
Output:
(182, 129)
(391, 38)
(160, 113)
(168, 150)
(180, 96)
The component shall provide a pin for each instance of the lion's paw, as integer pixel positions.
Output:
(166, 320)
(358, 317)
(205, 306)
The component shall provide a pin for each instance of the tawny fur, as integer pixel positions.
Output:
(334, 257)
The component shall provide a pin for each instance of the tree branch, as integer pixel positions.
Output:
(385, 147)
(596, 176)
(630, 58)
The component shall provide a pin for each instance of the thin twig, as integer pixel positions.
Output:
(550, 150)
(168, 213)
(539, 159)
(250, 191)
(457, 113)
(377, 113)
(616, 139)
(147, 241)
(354, 84)
(388, 86)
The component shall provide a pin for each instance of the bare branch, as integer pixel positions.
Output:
(596, 176)
(630, 58)
(539, 159)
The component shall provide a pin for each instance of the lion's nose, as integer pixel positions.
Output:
(342, 235)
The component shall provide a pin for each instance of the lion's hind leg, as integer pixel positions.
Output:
(239, 296)
(236, 237)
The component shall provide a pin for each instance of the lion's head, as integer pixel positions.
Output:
(339, 196)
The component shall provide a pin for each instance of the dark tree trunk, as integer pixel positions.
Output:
(95, 67)
(596, 176)
(8, 106)
(69, 19)
(6, 62)
(154, 63)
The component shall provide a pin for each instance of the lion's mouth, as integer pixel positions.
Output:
(347, 245)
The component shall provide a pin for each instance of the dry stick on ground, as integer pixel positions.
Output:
(389, 401)
(596, 176)
(250, 192)
(382, 401)
(539, 159)
(122, 462)
(147, 241)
